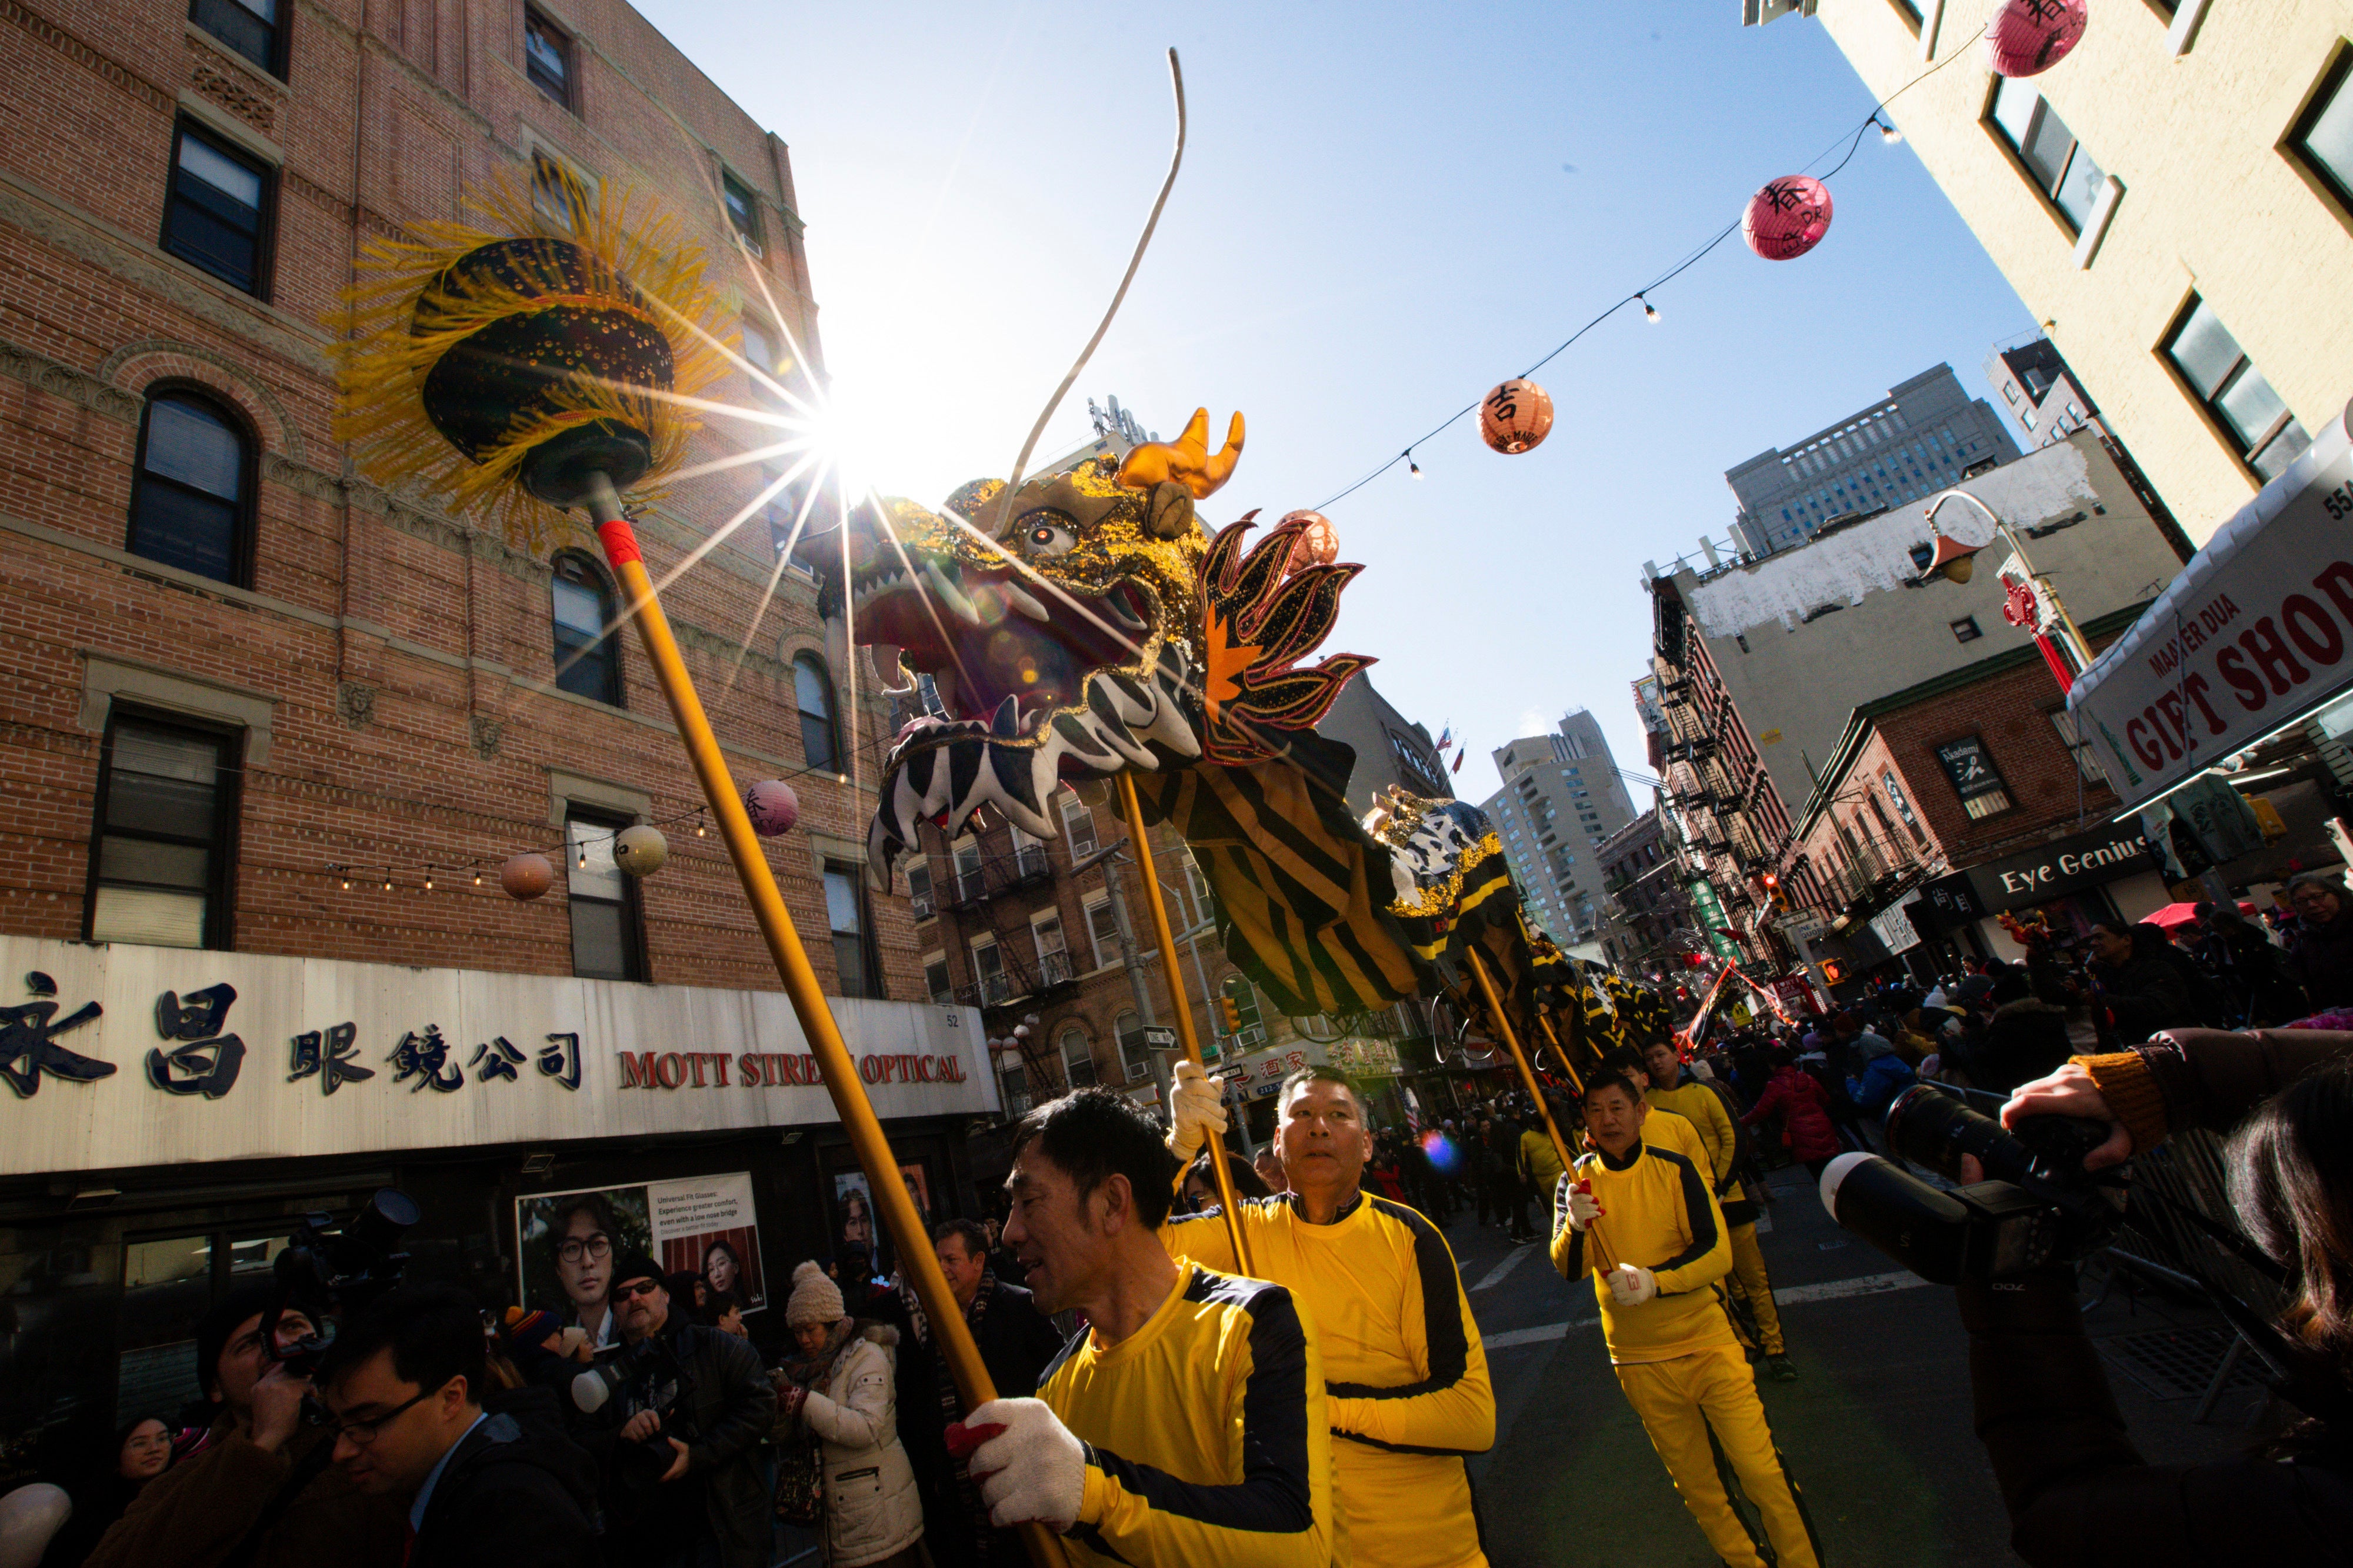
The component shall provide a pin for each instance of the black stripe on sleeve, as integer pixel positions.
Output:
(1273, 1496)
(1443, 1328)
(1697, 1212)
(1064, 1354)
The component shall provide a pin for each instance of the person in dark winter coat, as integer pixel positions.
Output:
(1805, 1112)
(487, 1481)
(712, 1499)
(142, 1451)
(2077, 1491)
(2138, 982)
(2322, 954)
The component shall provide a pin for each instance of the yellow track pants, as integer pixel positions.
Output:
(1678, 1402)
(1748, 1267)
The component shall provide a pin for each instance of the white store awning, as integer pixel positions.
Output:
(2253, 635)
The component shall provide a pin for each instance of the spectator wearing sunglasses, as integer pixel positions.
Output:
(486, 1476)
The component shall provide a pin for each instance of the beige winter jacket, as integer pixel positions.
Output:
(871, 1507)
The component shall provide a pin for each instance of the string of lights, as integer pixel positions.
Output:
(1888, 135)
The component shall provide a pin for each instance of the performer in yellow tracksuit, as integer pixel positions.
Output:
(1700, 1105)
(1409, 1395)
(1642, 1221)
(1187, 1422)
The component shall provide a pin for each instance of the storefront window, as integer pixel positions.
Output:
(57, 1348)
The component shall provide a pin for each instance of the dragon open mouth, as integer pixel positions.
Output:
(1008, 637)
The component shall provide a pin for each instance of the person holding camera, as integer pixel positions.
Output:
(2077, 1490)
(487, 1476)
(259, 1493)
(678, 1446)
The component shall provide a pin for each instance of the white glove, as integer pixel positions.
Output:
(1196, 1103)
(1630, 1285)
(1582, 1210)
(1033, 1469)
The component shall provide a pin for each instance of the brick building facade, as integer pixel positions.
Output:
(385, 676)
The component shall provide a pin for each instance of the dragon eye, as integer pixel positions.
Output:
(1047, 539)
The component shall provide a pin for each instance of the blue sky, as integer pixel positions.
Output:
(1384, 211)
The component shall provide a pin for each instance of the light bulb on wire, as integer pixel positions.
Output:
(1411, 467)
(1650, 311)
(1887, 132)
(477, 876)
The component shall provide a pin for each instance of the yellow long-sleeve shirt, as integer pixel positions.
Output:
(1409, 1393)
(1208, 1439)
(1656, 1212)
(1539, 1160)
(1698, 1104)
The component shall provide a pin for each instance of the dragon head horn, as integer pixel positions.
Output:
(1187, 461)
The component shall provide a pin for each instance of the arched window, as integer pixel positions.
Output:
(587, 655)
(1078, 1058)
(192, 489)
(813, 691)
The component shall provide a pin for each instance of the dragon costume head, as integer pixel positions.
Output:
(1085, 625)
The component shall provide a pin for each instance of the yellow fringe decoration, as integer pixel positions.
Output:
(384, 364)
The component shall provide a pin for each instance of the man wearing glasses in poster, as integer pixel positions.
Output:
(582, 1240)
(402, 1395)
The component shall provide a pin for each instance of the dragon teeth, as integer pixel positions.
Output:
(1021, 599)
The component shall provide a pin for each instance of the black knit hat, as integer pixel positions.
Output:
(224, 1317)
(638, 1266)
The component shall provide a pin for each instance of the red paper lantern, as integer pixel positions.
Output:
(2027, 37)
(526, 877)
(1317, 545)
(1787, 217)
(1515, 415)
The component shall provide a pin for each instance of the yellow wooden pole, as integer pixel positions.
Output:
(1561, 1052)
(918, 1264)
(1185, 1036)
(1527, 1073)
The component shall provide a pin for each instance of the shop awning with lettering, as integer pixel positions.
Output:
(2253, 635)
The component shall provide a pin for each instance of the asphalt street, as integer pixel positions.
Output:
(1876, 1430)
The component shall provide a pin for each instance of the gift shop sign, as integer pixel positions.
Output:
(118, 1056)
(2256, 632)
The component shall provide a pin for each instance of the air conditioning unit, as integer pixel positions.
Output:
(922, 908)
(1138, 1071)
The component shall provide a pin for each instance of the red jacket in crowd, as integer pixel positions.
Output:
(1805, 1114)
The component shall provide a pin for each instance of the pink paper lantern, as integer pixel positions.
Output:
(1787, 217)
(526, 877)
(2027, 37)
(1317, 545)
(772, 807)
(1515, 415)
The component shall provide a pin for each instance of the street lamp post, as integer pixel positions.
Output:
(1955, 561)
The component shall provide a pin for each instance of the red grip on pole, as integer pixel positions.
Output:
(963, 1438)
(620, 541)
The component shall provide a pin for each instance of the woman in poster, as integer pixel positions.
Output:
(722, 1269)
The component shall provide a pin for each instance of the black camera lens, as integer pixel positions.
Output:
(1929, 1127)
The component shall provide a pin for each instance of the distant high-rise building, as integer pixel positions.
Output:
(1919, 439)
(1562, 798)
(2042, 393)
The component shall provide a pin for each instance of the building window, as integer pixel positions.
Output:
(607, 932)
(845, 913)
(1053, 958)
(1966, 629)
(2323, 139)
(192, 489)
(166, 821)
(547, 57)
(557, 194)
(1974, 779)
(937, 983)
(587, 652)
(918, 891)
(248, 27)
(1102, 933)
(216, 216)
(1128, 1030)
(989, 972)
(1078, 825)
(965, 854)
(1078, 1058)
(759, 348)
(1909, 13)
(2047, 150)
(2234, 392)
(813, 693)
(742, 209)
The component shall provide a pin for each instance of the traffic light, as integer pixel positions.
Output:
(1833, 971)
(1230, 1015)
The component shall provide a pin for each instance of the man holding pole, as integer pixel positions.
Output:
(1186, 1423)
(1410, 1397)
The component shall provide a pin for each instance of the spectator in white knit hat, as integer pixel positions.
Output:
(840, 1393)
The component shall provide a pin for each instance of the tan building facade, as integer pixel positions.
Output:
(2171, 201)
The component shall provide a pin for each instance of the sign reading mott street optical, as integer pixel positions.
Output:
(2038, 876)
(115, 1055)
(2255, 632)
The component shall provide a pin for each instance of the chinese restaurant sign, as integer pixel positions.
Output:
(114, 1054)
